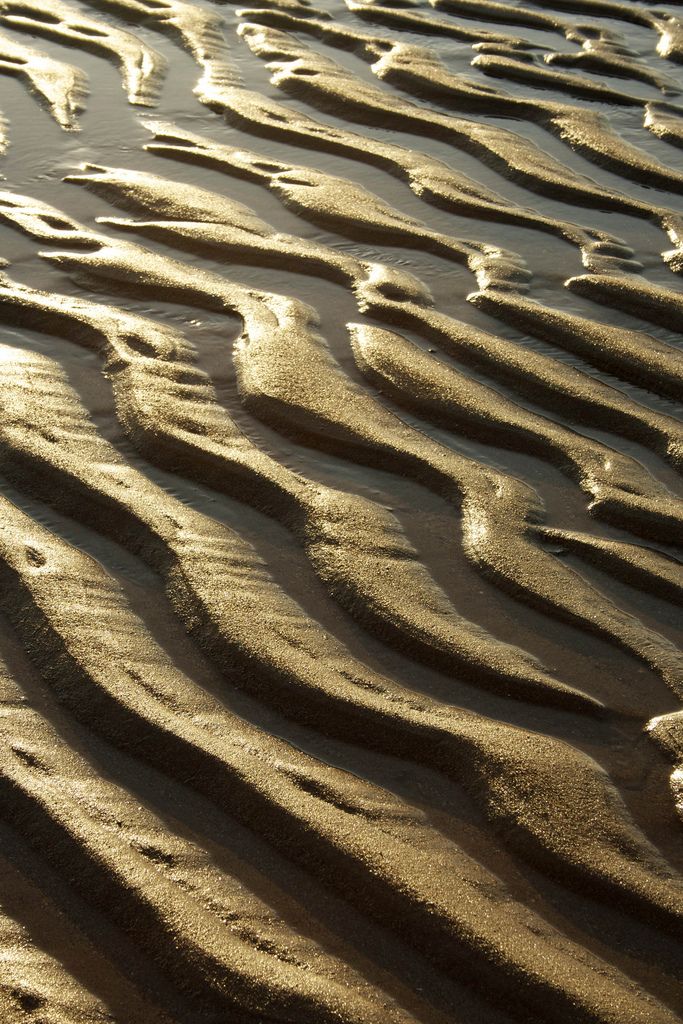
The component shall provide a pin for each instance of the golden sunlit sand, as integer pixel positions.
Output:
(340, 451)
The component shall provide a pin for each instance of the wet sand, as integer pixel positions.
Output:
(340, 512)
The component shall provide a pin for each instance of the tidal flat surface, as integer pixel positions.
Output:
(341, 512)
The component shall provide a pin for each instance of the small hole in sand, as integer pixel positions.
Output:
(305, 72)
(58, 223)
(262, 165)
(391, 291)
(89, 246)
(35, 557)
(86, 30)
(330, 133)
(157, 855)
(173, 141)
(293, 180)
(140, 345)
(30, 759)
(29, 1001)
(191, 427)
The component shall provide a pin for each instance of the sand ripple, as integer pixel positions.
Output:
(340, 502)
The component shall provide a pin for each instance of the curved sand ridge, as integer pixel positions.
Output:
(324, 801)
(209, 219)
(198, 923)
(664, 125)
(666, 25)
(618, 485)
(168, 861)
(141, 67)
(641, 567)
(32, 980)
(515, 69)
(548, 381)
(337, 204)
(667, 730)
(599, 57)
(374, 572)
(511, 14)
(303, 72)
(325, 200)
(419, 22)
(288, 377)
(61, 86)
(630, 355)
(653, 302)
(200, 31)
(198, 219)
(328, 522)
(413, 379)
(418, 70)
(429, 178)
(498, 513)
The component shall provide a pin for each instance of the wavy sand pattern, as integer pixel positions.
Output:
(340, 512)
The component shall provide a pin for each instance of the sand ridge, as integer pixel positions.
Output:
(340, 659)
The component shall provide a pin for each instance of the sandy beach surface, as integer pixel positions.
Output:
(340, 512)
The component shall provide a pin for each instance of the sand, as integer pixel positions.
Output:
(340, 512)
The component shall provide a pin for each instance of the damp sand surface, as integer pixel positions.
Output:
(341, 512)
